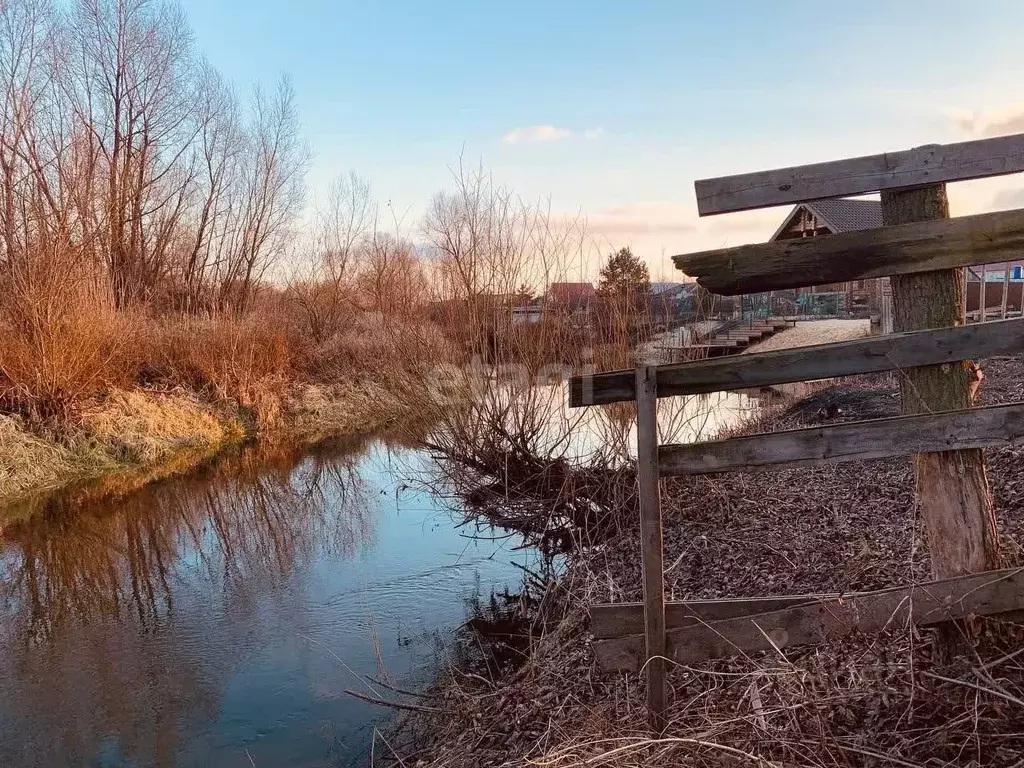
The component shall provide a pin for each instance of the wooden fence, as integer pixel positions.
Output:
(635, 636)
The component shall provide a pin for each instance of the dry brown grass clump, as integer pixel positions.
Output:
(62, 342)
(142, 427)
(126, 429)
(249, 360)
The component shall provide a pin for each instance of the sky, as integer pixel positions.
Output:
(613, 109)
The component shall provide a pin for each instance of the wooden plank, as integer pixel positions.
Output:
(979, 594)
(619, 619)
(895, 250)
(822, 361)
(650, 542)
(856, 441)
(929, 164)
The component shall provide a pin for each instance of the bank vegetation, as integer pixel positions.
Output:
(166, 284)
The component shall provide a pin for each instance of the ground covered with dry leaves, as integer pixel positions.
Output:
(866, 701)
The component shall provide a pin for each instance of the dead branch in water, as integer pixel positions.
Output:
(392, 704)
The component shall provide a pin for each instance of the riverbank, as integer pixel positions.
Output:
(148, 434)
(877, 700)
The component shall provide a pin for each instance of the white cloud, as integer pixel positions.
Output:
(997, 121)
(536, 134)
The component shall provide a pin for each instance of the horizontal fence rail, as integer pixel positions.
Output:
(895, 250)
(822, 361)
(980, 594)
(930, 164)
(617, 620)
(855, 441)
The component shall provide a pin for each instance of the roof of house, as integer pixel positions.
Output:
(570, 292)
(839, 214)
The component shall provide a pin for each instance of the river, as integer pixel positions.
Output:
(217, 618)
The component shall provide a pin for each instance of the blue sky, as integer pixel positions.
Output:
(615, 108)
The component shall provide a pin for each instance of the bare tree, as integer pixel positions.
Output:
(324, 292)
(392, 280)
(272, 193)
(131, 83)
(209, 220)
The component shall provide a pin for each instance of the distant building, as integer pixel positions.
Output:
(573, 298)
(830, 217)
(1002, 285)
(525, 314)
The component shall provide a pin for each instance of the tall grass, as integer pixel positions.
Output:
(62, 339)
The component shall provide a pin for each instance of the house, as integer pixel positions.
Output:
(526, 314)
(572, 298)
(1003, 283)
(829, 217)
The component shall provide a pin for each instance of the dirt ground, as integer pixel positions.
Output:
(809, 332)
(879, 700)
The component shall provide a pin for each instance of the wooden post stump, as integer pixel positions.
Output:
(951, 487)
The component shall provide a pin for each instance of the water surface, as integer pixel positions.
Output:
(218, 618)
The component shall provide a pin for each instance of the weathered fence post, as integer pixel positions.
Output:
(650, 541)
(951, 486)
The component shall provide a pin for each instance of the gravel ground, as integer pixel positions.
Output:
(809, 332)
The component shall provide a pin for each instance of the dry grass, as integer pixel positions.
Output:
(63, 342)
(248, 360)
(29, 462)
(143, 427)
(881, 700)
(863, 701)
(127, 429)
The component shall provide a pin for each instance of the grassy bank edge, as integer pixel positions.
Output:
(139, 436)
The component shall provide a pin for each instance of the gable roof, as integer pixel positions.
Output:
(573, 294)
(839, 214)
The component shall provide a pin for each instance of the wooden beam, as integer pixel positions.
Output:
(856, 441)
(929, 164)
(650, 543)
(896, 250)
(979, 594)
(822, 361)
(619, 619)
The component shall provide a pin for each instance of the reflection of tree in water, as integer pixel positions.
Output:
(73, 577)
(260, 512)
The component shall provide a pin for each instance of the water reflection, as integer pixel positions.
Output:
(218, 617)
(248, 515)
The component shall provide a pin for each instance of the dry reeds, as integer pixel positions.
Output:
(246, 359)
(62, 340)
(864, 701)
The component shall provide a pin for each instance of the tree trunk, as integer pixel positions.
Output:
(951, 486)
